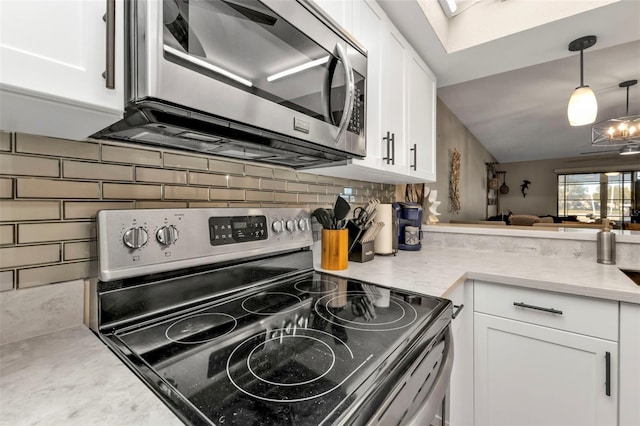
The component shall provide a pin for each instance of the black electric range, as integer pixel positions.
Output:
(243, 331)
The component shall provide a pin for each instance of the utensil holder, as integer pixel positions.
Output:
(334, 255)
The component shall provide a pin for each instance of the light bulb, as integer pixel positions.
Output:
(622, 127)
(632, 130)
(611, 131)
(583, 107)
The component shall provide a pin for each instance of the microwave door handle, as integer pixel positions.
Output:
(326, 92)
(350, 91)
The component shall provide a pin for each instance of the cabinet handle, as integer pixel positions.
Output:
(388, 140)
(537, 308)
(607, 384)
(110, 19)
(415, 157)
(459, 309)
(393, 148)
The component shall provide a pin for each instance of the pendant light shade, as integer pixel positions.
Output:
(583, 106)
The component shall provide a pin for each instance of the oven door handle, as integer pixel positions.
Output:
(350, 91)
(439, 390)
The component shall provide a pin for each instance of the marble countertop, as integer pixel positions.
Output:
(70, 377)
(436, 271)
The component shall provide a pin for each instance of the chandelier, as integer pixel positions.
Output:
(618, 131)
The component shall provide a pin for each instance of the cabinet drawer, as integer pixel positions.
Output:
(577, 314)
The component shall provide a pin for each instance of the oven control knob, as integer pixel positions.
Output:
(135, 238)
(302, 224)
(167, 235)
(277, 226)
(291, 225)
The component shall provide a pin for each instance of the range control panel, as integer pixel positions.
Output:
(139, 242)
(237, 229)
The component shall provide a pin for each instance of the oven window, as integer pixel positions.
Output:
(245, 44)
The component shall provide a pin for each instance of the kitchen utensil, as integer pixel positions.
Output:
(340, 211)
(504, 189)
(335, 253)
(323, 217)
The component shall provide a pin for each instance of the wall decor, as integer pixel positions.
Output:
(524, 187)
(454, 182)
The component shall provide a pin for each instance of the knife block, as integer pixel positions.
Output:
(334, 254)
(362, 252)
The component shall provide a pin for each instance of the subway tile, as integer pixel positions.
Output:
(96, 171)
(244, 182)
(230, 167)
(131, 191)
(22, 165)
(6, 188)
(285, 197)
(274, 205)
(44, 232)
(5, 141)
(320, 189)
(307, 177)
(285, 174)
(121, 154)
(44, 188)
(144, 174)
(29, 210)
(88, 209)
(185, 161)
(56, 147)
(258, 171)
(52, 274)
(259, 196)
(274, 185)
(6, 280)
(307, 198)
(297, 187)
(6, 235)
(206, 205)
(208, 179)
(341, 182)
(325, 179)
(335, 189)
(326, 198)
(185, 193)
(80, 250)
(29, 255)
(245, 205)
(226, 194)
(161, 205)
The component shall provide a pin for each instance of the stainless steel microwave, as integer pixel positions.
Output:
(273, 81)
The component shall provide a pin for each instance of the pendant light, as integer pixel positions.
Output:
(618, 131)
(583, 106)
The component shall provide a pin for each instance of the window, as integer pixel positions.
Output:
(593, 196)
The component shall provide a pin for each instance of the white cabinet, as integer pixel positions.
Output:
(53, 56)
(339, 10)
(629, 364)
(421, 119)
(400, 101)
(461, 391)
(536, 362)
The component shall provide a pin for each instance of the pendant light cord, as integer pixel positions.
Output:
(581, 69)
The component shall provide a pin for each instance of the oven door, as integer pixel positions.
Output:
(421, 397)
(276, 65)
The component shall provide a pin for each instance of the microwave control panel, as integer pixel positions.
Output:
(356, 124)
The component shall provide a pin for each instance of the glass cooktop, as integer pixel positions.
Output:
(297, 351)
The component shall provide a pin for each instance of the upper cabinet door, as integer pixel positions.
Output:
(421, 119)
(57, 51)
(339, 10)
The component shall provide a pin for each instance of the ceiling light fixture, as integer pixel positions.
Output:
(449, 7)
(630, 150)
(583, 106)
(618, 131)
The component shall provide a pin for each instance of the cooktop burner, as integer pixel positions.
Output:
(271, 302)
(316, 286)
(200, 328)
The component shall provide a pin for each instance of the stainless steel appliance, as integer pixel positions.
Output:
(270, 81)
(220, 313)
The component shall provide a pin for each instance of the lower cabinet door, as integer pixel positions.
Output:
(525, 374)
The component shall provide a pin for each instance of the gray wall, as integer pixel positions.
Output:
(542, 194)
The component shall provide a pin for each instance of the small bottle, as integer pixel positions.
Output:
(606, 244)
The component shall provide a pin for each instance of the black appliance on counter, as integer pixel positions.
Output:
(220, 313)
(410, 215)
